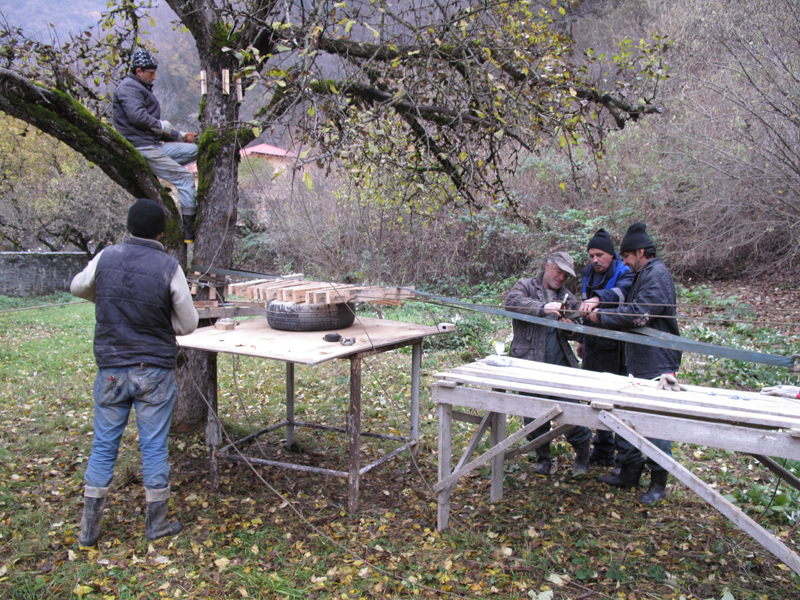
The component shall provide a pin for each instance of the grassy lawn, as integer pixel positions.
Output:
(270, 533)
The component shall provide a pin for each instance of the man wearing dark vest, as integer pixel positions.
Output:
(650, 303)
(141, 301)
(606, 281)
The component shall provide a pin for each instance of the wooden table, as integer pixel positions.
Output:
(372, 336)
(635, 409)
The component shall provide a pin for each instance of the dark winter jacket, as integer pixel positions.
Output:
(137, 112)
(134, 306)
(602, 354)
(528, 296)
(650, 302)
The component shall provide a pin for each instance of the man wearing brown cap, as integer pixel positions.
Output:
(650, 302)
(545, 296)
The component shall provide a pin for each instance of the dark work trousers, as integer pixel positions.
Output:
(603, 356)
(626, 452)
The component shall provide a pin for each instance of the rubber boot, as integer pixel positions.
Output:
(596, 458)
(581, 466)
(543, 461)
(90, 523)
(628, 476)
(187, 223)
(157, 526)
(658, 487)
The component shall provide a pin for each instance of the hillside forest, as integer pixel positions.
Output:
(715, 175)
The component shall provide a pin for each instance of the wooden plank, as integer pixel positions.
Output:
(672, 427)
(496, 438)
(444, 412)
(299, 293)
(692, 481)
(779, 470)
(539, 441)
(497, 449)
(472, 445)
(238, 309)
(716, 412)
(645, 387)
(235, 289)
(270, 292)
(254, 337)
(206, 303)
(623, 387)
(337, 295)
(384, 294)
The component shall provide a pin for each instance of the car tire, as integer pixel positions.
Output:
(288, 316)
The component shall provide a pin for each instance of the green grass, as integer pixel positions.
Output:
(571, 538)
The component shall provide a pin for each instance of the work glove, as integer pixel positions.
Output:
(668, 381)
(784, 391)
(162, 127)
(189, 137)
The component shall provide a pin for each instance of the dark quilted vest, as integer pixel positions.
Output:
(133, 306)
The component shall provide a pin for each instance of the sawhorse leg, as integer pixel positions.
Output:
(692, 481)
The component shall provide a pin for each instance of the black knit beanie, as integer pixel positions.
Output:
(601, 241)
(636, 238)
(146, 219)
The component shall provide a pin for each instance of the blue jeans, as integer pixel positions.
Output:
(166, 161)
(152, 392)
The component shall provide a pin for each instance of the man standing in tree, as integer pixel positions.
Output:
(606, 281)
(546, 296)
(650, 302)
(142, 301)
(137, 117)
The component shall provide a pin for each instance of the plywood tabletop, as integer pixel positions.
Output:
(254, 337)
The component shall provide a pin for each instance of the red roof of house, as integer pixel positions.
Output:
(262, 149)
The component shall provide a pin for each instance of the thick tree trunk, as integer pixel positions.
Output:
(217, 201)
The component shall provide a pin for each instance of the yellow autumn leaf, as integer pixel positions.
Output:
(81, 590)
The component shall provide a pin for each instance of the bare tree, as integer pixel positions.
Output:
(452, 91)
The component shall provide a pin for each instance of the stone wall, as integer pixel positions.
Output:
(25, 274)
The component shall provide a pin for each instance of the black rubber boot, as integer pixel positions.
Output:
(596, 458)
(628, 476)
(157, 526)
(581, 467)
(90, 523)
(187, 223)
(543, 461)
(658, 487)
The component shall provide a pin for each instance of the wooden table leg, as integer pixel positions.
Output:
(213, 441)
(416, 364)
(496, 435)
(290, 404)
(354, 432)
(445, 414)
